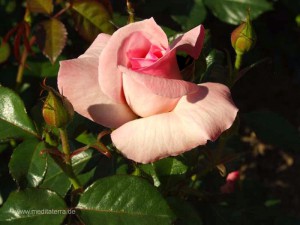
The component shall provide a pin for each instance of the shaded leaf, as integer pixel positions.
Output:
(234, 12)
(56, 180)
(170, 166)
(25, 207)
(91, 18)
(215, 67)
(165, 170)
(150, 170)
(51, 38)
(195, 16)
(27, 165)
(14, 121)
(273, 129)
(122, 200)
(40, 6)
(185, 212)
(42, 68)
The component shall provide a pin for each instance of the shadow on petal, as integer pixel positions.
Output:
(111, 115)
(198, 96)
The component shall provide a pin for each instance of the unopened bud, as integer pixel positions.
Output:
(243, 38)
(57, 110)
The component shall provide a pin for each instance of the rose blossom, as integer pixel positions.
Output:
(131, 81)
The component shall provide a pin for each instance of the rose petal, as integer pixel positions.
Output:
(191, 42)
(166, 67)
(78, 81)
(197, 118)
(148, 95)
(233, 176)
(97, 46)
(137, 34)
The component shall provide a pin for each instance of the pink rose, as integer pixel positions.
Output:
(131, 81)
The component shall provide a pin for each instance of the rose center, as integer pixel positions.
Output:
(139, 58)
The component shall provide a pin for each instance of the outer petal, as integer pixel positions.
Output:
(97, 46)
(191, 42)
(197, 118)
(78, 81)
(114, 53)
(148, 95)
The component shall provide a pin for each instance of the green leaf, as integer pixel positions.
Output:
(185, 212)
(51, 38)
(273, 129)
(119, 20)
(123, 200)
(234, 12)
(91, 18)
(195, 15)
(170, 166)
(27, 165)
(40, 6)
(164, 170)
(42, 68)
(56, 180)
(14, 121)
(150, 170)
(33, 207)
(215, 67)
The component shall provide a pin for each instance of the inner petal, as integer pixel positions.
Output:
(139, 58)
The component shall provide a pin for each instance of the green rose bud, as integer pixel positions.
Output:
(57, 110)
(243, 38)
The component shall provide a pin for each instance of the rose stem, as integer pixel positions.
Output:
(66, 150)
(237, 66)
(21, 67)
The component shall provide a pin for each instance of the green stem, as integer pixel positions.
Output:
(21, 67)
(238, 61)
(237, 66)
(66, 150)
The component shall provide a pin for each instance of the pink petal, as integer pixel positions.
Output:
(78, 81)
(148, 95)
(138, 35)
(137, 63)
(233, 176)
(166, 67)
(231, 181)
(197, 118)
(190, 42)
(97, 46)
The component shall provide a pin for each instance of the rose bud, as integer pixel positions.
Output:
(57, 110)
(243, 38)
(231, 180)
